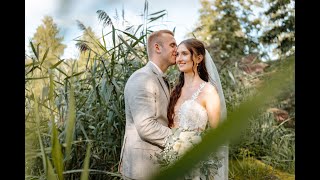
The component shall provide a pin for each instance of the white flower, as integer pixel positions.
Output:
(186, 145)
(177, 146)
(186, 135)
(195, 139)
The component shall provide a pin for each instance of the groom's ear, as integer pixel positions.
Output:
(157, 48)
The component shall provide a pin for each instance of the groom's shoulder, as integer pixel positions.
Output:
(141, 75)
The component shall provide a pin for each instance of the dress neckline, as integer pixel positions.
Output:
(191, 100)
(194, 96)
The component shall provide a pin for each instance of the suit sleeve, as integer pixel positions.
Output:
(142, 102)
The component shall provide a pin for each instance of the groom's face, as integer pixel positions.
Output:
(168, 48)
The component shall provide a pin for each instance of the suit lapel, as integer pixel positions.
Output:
(160, 79)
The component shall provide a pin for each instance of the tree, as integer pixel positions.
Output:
(46, 47)
(281, 15)
(47, 39)
(226, 33)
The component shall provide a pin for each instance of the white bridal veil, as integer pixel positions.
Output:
(214, 79)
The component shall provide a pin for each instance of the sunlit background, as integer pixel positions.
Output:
(181, 15)
(74, 102)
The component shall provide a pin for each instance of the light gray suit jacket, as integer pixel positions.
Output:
(146, 100)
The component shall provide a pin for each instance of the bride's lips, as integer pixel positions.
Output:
(181, 64)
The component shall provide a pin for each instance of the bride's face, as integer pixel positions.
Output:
(184, 60)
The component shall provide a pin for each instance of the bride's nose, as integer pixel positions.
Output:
(178, 58)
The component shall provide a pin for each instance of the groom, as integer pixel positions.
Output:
(147, 97)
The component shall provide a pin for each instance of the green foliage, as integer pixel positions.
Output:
(78, 111)
(226, 33)
(281, 15)
(231, 128)
(90, 39)
(248, 168)
(267, 139)
(48, 43)
(84, 106)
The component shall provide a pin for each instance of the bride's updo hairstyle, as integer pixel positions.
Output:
(196, 48)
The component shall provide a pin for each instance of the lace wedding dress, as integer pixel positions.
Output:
(193, 117)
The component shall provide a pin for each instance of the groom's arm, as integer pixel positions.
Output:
(143, 107)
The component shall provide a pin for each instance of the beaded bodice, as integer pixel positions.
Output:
(192, 115)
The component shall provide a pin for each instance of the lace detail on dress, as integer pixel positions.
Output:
(196, 94)
(192, 115)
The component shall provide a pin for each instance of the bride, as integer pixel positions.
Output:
(197, 101)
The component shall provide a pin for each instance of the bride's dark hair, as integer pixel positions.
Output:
(195, 47)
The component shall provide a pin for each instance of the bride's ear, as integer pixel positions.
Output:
(199, 58)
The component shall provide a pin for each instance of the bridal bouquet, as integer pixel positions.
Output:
(178, 143)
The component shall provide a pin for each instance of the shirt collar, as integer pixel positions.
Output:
(157, 68)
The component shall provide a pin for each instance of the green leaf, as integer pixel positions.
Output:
(36, 78)
(70, 121)
(104, 41)
(56, 151)
(34, 51)
(56, 64)
(51, 89)
(51, 175)
(128, 34)
(76, 74)
(155, 18)
(130, 48)
(36, 112)
(138, 29)
(44, 56)
(113, 35)
(62, 72)
(157, 12)
(230, 129)
(85, 172)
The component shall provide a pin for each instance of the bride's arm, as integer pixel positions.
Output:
(212, 102)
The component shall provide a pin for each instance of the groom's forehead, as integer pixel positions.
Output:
(167, 36)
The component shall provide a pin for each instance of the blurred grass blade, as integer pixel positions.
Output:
(113, 36)
(36, 78)
(56, 64)
(44, 56)
(62, 72)
(31, 64)
(56, 151)
(157, 12)
(85, 172)
(130, 48)
(103, 39)
(51, 89)
(231, 128)
(145, 9)
(94, 170)
(138, 29)
(34, 51)
(130, 35)
(139, 40)
(51, 175)
(71, 120)
(36, 112)
(76, 74)
(155, 18)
